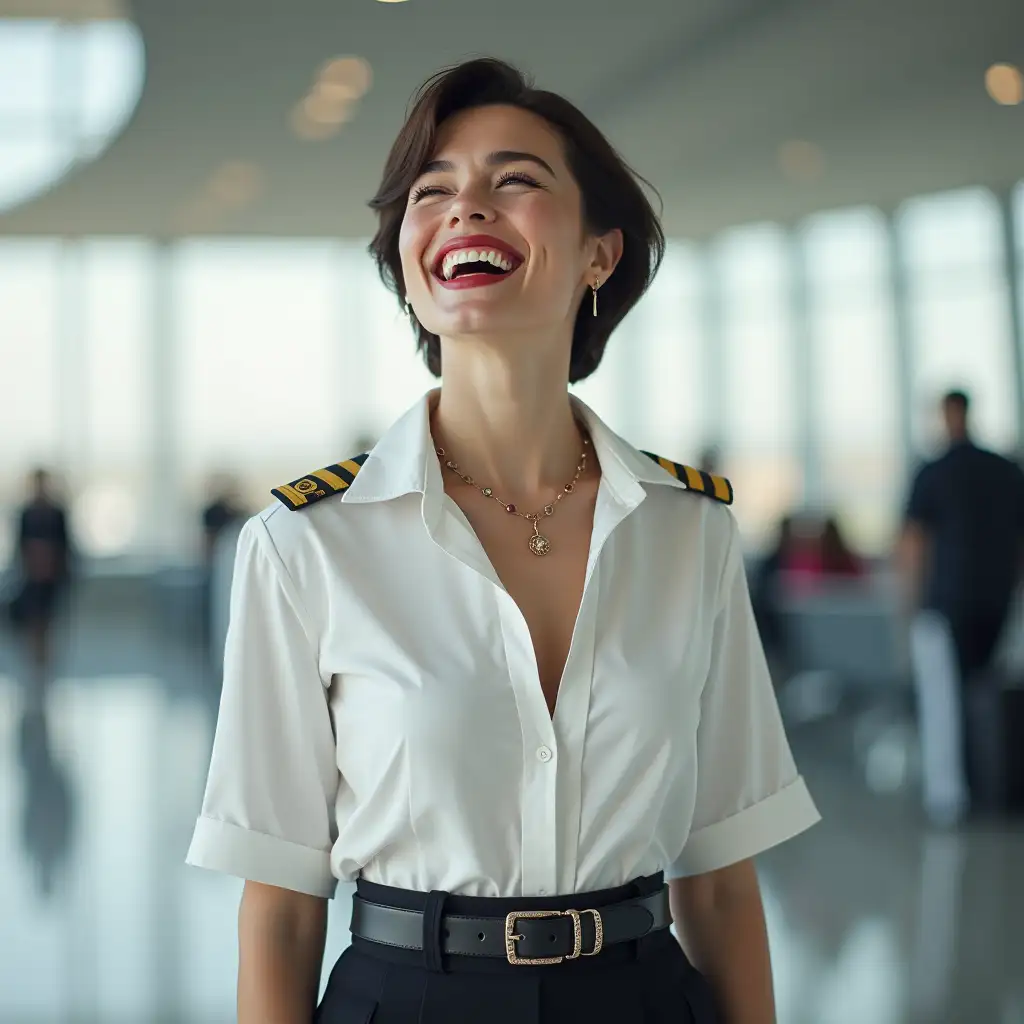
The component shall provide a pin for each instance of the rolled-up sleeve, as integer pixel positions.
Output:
(749, 794)
(268, 810)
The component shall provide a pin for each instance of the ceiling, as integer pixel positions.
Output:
(698, 95)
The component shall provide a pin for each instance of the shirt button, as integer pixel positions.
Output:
(544, 754)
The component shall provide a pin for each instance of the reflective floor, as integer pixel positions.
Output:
(874, 918)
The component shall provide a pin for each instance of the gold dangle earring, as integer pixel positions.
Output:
(594, 289)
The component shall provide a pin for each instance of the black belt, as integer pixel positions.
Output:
(521, 937)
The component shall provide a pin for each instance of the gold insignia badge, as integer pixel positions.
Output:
(305, 486)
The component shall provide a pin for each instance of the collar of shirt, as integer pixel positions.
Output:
(404, 462)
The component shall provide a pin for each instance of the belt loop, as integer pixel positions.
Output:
(433, 914)
(645, 886)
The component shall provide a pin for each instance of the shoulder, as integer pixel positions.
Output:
(710, 485)
(301, 494)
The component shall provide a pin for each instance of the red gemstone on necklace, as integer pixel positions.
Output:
(510, 508)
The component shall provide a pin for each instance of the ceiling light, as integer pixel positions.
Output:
(1005, 84)
(349, 76)
(801, 161)
(391, 1)
(307, 129)
(320, 108)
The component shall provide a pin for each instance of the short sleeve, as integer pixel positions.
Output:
(749, 795)
(921, 502)
(268, 811)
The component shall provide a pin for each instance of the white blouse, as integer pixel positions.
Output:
(382, 713)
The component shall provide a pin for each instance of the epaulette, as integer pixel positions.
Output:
(717, 487)
(308, 490)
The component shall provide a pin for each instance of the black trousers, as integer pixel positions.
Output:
(645, 982)
(976, 634)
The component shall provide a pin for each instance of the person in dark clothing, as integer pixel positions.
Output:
(837, 557)
(43, 565)
(960, 558)
(764, 588)
(224, 511)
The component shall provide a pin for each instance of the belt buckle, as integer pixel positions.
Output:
(577, 934)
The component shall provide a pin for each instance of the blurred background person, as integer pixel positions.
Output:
(765, 586)
(960, 558)
(222, 519)
(837, 558)
(42, 573)
(710, 460)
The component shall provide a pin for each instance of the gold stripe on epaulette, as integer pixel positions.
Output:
(292, 494)
(723, 489)
(331, 479)
(669, 467)
(693, 479)
(351, 465)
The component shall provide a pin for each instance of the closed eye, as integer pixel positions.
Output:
(423, 191)
(519, 177)
(507, 178)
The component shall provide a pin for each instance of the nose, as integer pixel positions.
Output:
(470, 206)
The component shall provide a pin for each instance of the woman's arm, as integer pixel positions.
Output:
(719, 918)
(280, 952)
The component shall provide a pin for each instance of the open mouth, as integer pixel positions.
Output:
(459, 264)
(479, 261)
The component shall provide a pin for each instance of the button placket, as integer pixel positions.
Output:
(539, 777)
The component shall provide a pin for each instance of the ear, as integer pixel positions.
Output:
(607, 253)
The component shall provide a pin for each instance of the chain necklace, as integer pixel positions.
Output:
(539, 544)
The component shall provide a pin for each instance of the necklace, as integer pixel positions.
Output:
(538, 543)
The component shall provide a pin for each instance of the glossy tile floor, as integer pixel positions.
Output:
(874, 918)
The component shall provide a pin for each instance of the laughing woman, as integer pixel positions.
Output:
(501, 670)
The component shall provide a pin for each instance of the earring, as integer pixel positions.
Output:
(408, 307)
(594, 287)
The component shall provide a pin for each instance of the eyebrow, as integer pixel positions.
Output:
(496, 159)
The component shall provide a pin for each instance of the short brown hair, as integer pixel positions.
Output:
(611, 191)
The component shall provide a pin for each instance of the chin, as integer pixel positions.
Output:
(476, 318)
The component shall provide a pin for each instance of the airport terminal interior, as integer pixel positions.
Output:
(189, 317)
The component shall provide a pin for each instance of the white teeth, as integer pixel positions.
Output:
(454, 259)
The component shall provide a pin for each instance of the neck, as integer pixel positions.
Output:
(509, 424)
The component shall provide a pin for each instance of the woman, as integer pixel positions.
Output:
(502, 670)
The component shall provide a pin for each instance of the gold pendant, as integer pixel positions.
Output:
(539, 544)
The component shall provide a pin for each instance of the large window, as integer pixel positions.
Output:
(670, 403)
(959, 313)
(137, 370)
(854, 389)
(378, 346)
(760, 419)
(258, 392)
(115, 463)
(30, 412)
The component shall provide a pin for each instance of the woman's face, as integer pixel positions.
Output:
(493, 241)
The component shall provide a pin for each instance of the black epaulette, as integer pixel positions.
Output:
(709, 484)
(308, 490)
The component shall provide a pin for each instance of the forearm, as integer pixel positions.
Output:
(280, 946)
(721, 925)
(911, 553)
